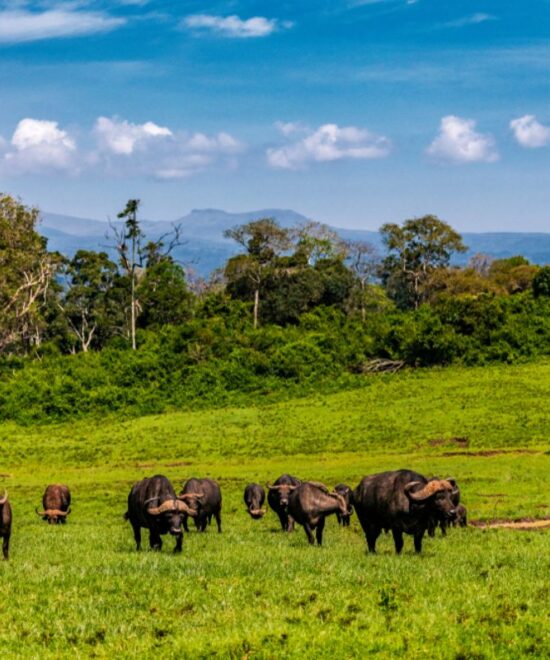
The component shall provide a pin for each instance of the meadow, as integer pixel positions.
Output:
(81, 590)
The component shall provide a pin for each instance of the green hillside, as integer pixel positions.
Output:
(252, 591)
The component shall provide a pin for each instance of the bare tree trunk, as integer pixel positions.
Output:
(256, 306)
(133, 307)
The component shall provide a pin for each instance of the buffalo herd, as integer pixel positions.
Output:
(400, 501)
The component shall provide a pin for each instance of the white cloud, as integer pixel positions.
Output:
(233, 26)
(287, 128)
(529, 132)
(20, 25)
(459, 142)
(123, 137)
(328, 143)
(127, 149)
(38, 145)
(472, 19)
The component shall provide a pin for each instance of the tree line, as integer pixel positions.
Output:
(53, 303)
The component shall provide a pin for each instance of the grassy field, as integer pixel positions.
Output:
(81, 590)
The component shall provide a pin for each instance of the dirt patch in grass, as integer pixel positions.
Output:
(491, 452)
(459, 442)
(526, 524)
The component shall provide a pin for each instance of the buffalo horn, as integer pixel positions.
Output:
(188, 496)
(256, 512)
(182, 506)
(40, 514)
(5, 498)
(169, 505)
(428, 490)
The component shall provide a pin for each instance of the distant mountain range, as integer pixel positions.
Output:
(206, 249)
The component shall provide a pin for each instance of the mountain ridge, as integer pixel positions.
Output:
(205, 247)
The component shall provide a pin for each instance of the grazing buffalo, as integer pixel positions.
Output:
(153, 505)
(277, 498)
(461, 516)
(403, 501)
(5, 524)
(56, 503)
(310, 503)
(204, 498)
(346, 492)
(254, 498)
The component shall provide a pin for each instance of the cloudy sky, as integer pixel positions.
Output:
(353, 112)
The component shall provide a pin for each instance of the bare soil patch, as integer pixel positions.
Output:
(459, 442)
(526, 524)
(491, 452)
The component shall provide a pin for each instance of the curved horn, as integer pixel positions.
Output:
(454, 485)
(182, 506)
(40, 514)
(169, 505)
(5, 498)
(428, 490)
(257, 512)
(188, 496)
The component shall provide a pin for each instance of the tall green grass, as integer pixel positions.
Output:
(81, 590)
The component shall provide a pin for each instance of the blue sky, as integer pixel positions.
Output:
(353, 112)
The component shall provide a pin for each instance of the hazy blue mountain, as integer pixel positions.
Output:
(205, 247)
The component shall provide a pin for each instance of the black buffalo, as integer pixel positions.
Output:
(153, 505)
(254, 498)
(277, 498)
(204, 498)
(403, 501)
(310, 503)
(460, 511)
(346, 492)
(5, 524)
(56, 504)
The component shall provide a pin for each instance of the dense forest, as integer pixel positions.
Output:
(295, 309)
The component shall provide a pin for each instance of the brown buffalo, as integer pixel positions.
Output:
(56, 503)
(310, 503)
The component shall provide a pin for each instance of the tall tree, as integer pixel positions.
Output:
(26, 273)
(415, 249)
(129, 256)
(364, 263)
(90, 302)
(135, 258)
(263, 240)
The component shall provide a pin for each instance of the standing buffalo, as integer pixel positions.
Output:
(204, 498)
(460, 511)
(346, 492)
(153, 505)
(56, 503)
(310, 503)
(403, 501)
(5, 524)
(277, 498)
(254, 498)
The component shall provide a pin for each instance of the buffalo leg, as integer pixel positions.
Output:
(372, 534)
(397, 539)
(309, 534)
(418, 541)
(6, 546)
(155, 541)
(290, 524)
(184, 519)
(340, 519)
(443, 526)
(137, 536)
(179, 541)
(283, 519)
(319, 531)
(218, 517)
